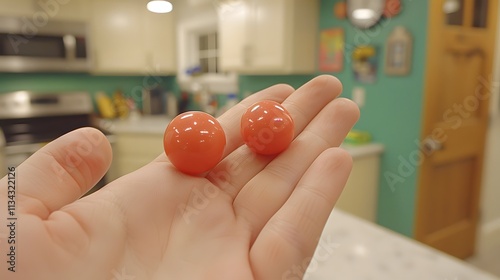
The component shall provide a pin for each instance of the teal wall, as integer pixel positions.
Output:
(256, 83)
(392, 112)
(130, 85)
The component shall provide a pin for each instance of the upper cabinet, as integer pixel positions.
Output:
(160, 42)
(74, 10)
(128, 39)
(17, 8)
(268, 37)
(39, 12)
(117, 37)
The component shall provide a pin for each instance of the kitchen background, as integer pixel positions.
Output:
(135, 50)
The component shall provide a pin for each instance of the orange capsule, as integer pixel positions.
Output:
(194, 142)
(267, 128)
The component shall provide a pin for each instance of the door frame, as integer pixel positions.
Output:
(489, 231)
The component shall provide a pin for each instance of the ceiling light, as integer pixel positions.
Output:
(363, 14)
(160, 6)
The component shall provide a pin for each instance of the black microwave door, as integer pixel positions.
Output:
(32, 46)
(81, 47)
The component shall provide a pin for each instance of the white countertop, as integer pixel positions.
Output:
(143, 124)
(158, 124)
(363, 150)
(354, 249)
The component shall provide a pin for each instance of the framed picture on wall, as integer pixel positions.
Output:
(364, 64)
(331, 50)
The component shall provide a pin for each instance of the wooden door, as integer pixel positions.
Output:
(458, 74)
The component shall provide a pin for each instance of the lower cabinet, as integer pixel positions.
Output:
(134, 150)
(360, 194)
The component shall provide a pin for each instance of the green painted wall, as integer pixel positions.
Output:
(392, 112)
(256, 83)
(130, 85)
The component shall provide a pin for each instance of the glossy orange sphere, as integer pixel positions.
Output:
(194, 142)
(267, 128)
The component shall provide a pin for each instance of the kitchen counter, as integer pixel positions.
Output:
(157, 125)
(143, 124)
(363, 150)
(351, 248)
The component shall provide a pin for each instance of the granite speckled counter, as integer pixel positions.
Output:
(353, 249)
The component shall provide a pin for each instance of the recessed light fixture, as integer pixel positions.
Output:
(160, 6)
(363, 14)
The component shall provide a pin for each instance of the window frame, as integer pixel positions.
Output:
(188, 56)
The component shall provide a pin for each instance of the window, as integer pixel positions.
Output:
(480, 13)
(207, 52)
(197, 46)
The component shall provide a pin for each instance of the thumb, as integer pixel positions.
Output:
(61, 172)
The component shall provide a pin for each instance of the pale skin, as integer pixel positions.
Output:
(252, 217)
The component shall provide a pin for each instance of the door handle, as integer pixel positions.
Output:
(431, 145)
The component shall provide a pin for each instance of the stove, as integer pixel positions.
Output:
(29, 120)
(30, 117)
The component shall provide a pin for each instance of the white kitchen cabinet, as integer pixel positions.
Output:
(127, 39)
(17, 8)
(134, 150)
(70, 10)
(137, 142)
(37, 12)
(360, 194)
(268, 37)
(160, 42)
(117, 38)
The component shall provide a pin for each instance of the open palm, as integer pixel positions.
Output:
(252, 217)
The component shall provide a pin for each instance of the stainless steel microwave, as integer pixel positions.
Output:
(43, 46)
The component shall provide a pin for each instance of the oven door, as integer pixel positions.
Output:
(15, 155)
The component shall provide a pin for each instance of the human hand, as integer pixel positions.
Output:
(251, 217)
